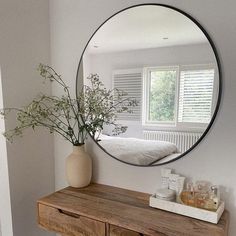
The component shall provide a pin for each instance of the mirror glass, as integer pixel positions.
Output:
(161, 58)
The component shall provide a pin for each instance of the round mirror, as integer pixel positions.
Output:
(156, 70)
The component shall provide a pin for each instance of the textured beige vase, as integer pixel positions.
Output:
(78, 168)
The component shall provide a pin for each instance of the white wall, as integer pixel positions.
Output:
(214, 159)
(5, 202)
(24, 42)
(104, 63)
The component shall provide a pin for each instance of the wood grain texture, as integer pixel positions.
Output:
(130, 210)
(68, 223)
(118, 231)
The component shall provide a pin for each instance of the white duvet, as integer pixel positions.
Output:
(137, 151)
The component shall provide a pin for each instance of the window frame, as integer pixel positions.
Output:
(176, 125)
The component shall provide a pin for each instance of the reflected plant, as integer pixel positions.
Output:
(69, 117)
(100, 106)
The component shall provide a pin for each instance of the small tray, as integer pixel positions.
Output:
(197, 213)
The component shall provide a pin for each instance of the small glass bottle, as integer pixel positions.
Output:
(201, 193)
(212, 203)
(187, 195)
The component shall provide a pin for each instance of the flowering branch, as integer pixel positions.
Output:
(72, 118)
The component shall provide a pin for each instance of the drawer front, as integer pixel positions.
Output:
(118, 231)
(68, 223)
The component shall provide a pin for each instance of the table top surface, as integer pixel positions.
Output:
(131, 210)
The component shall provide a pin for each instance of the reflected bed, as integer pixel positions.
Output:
(139, 151)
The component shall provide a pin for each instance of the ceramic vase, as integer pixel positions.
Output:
(78, 167)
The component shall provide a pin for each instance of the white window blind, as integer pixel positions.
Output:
(195, 95)
(130, 81)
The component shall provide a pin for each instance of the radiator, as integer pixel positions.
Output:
(183, 140)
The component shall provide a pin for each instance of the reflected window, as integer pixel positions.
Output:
(162, 95)
(178, 97)
(195, 95)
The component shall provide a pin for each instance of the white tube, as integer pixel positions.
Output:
(165, 177)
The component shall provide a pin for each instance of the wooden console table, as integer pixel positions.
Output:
(100, 210)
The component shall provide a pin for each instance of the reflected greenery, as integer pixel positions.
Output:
(162, 96)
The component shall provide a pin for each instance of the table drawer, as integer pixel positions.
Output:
(118, 231)
(68, 223)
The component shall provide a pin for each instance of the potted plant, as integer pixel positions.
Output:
(73, 118)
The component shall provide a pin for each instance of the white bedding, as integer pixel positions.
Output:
(137, 151)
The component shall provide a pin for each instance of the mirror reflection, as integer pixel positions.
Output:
(163, 60)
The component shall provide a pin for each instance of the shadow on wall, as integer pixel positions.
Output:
(227, 194)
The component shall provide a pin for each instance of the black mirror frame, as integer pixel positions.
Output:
(219, 73)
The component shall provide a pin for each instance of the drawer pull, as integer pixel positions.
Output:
(69, 213)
